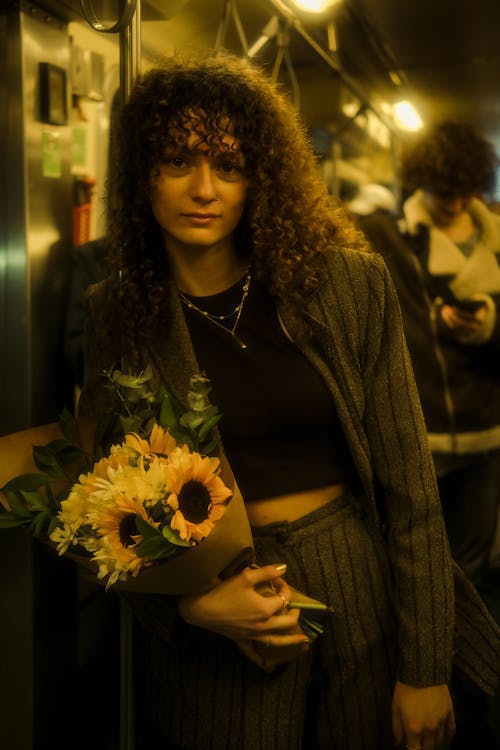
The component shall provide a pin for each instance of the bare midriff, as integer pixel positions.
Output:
(292, 506)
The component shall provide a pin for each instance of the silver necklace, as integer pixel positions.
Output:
(218, 319)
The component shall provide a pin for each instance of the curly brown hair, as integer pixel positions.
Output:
(451, 160)
(289, 219)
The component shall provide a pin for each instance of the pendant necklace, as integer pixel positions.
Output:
(219, 320)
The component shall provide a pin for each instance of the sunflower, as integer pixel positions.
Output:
(114, 547)
(198, 495)
(160, 442)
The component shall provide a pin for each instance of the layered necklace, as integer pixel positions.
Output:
(224, 321)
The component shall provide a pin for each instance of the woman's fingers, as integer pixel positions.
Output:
(268, 657)
(282, 622)
(266, 572)
(268, 583)
(280, 640)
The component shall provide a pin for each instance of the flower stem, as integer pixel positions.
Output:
(309, 606)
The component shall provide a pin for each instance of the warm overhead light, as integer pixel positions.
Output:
(406, 116)
(314, 6)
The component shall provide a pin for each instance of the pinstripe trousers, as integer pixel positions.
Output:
(336, 696)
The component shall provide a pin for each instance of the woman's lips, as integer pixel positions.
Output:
(200, 219)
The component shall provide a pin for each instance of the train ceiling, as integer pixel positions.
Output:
(443, 55)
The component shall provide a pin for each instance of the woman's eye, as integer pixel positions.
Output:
(230, 170)
(177, 162)
(176, 166)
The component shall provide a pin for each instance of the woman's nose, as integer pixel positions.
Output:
(203, 183)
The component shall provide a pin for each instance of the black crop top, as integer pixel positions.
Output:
(280, 429)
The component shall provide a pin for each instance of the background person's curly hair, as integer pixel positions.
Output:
(451, 160)
(289, 217)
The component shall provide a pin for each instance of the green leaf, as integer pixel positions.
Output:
(65, 451)
(16, 505)
(27, 482)
(185, 437)
(208, 426)
(131, 381)
(145, 529)
(197, 401)
(10, 520)
(170, 412)
(47, 461)
(200, 384)
(157, 512)
(41, 523)
(151, 547)
(207, 448)
(34, 500)
(173, 537)
(131, 424)
(191, 420)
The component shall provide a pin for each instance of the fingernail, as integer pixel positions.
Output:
(280, 568)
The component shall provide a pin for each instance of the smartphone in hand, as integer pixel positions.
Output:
(469, 305)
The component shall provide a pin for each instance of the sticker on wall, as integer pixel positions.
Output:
(51, 154)
(78, 148)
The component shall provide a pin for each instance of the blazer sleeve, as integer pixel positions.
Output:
(409, 500)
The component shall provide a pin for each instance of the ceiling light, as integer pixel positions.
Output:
(406, 116)
(314, 6)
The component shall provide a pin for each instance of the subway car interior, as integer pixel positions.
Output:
(365, 76)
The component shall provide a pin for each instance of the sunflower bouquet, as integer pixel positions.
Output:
(152, 495)
(150, 508)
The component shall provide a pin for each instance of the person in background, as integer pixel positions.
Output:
(443, 254)
(230, 258)
(372, 197)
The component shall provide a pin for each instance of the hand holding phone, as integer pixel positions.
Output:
(469, 305)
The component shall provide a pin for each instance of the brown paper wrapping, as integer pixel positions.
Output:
(228, 549)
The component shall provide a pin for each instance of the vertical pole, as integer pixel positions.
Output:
(127, 739)
(130, 64)
(129, 27)
(130, 53)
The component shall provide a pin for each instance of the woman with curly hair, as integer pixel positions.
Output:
(232, 260)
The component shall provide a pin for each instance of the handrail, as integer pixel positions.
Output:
(333, 63)
(126, 14)
(128, 26)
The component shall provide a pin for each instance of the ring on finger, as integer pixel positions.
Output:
(285, 602)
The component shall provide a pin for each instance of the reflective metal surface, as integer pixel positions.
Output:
(35, 195)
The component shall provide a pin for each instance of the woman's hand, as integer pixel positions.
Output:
(268, 656)
(463, 321)
(236, 609)
(422, 718)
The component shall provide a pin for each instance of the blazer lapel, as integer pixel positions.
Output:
(173, 357)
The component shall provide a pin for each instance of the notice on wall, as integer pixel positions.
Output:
(51, 154)
(78, 148)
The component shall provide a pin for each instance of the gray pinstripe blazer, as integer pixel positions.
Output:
(351, 332)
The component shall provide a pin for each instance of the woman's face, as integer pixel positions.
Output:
(199, 193)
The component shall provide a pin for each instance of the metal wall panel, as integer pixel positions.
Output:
(37, 593)
(36, 245)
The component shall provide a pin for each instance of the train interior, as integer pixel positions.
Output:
(63, 62)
